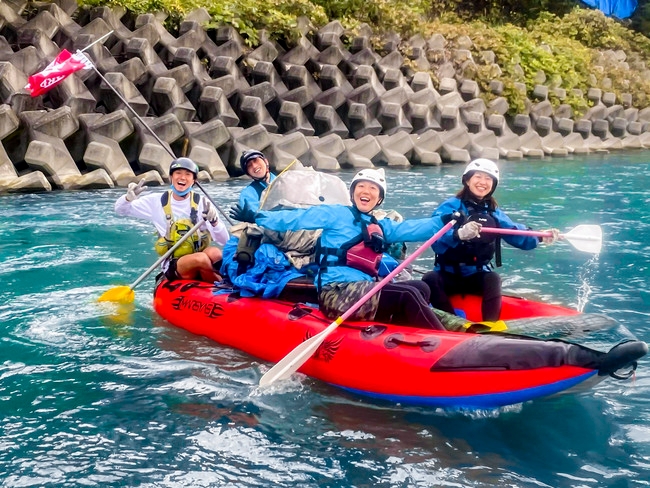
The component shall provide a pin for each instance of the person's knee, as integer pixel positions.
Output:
(429, 277)
(433, 279)
(412, 298)
(214, 253)
(190, 265)
(422, 288)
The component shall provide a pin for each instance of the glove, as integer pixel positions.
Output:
(210, 214)
(245, 214)
(458, 216)
(469, 231)
(133, 190)
(377, 243)
(553, 238)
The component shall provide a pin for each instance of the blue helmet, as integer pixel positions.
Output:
(249, 155)
(184, 163)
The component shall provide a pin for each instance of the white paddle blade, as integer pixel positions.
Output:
(289, 364)
(586, 238)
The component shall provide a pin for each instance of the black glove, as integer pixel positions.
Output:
(458, 216)
(245, 214)
(377, 243)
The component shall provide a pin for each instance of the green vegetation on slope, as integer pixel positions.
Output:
(574, 48)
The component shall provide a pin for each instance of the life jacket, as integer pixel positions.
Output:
(478, 251)
(363, 252)
(177, 229)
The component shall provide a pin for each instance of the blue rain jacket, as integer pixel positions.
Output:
(249, 196)
(266, 278)
(448, 240)
(339, 226)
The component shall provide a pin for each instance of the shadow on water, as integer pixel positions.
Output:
(479, 448)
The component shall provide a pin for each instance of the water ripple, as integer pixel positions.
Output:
(102, 395)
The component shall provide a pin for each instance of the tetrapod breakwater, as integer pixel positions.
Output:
(205, 94)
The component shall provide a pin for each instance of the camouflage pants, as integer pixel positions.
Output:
(337, 298)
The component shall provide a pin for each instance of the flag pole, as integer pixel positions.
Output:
(95, 42)
(137, 116)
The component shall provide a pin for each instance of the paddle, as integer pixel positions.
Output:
(586, 238)
(151, 131)
(125, 294)
(299, 355)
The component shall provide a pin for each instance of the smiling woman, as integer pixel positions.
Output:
(368, 189)
(350, 250)
(254, 164)
(464, 256)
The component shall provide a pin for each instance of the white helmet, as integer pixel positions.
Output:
(375, 176)
(484, 165)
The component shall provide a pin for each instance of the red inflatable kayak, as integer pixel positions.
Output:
(511, 308)
(402, 364)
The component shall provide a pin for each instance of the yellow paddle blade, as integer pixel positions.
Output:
(119, 294)
(498, 326)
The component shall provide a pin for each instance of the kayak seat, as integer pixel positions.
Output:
(300, 289)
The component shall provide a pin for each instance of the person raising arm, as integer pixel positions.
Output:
(175, 212)
(350, 250)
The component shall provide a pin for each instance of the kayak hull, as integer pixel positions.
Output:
(511, 308)
(395, 363)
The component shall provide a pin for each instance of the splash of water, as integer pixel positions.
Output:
(586, 277)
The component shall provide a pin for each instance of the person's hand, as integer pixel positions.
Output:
(210, 214)
(458, 216)
(552, 239)
(469, 231)
(245, 214)
(134, 189)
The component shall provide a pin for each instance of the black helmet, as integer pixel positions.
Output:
(249, 155)
(184, 163)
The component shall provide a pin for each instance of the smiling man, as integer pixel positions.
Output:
(174, 213)
(254, 164)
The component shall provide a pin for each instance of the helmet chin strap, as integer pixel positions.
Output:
(180, 193)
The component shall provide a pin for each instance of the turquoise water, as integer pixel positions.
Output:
(95, 396)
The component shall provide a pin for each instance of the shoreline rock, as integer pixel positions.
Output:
(207, 96)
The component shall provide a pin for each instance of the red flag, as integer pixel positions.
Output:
(58, 70)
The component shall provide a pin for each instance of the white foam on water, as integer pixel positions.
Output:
(586, 277)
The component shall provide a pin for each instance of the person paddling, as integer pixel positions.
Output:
(173, 213)
(463, 256)
(350, 250)
(254, 164)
